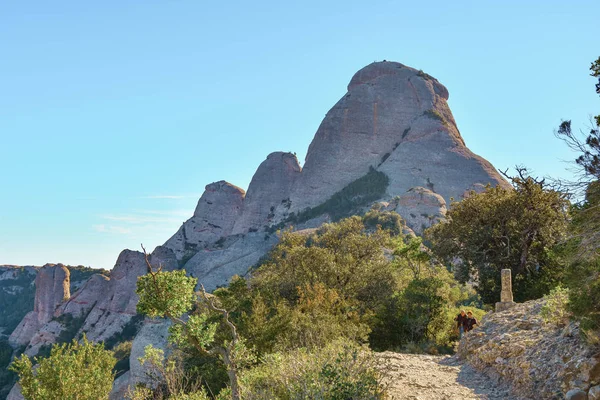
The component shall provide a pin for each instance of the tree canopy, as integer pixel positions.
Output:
(504, 228)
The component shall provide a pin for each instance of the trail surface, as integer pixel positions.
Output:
(424, 377)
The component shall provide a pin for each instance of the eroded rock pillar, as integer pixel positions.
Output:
(506, 295)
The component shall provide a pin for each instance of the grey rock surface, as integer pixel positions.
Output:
(396, 119)
(15, 393)
(215, 215)
(154, 332)
(420, 208)
(52, 288)
(120, 387)
(215, 267)
(268, 195)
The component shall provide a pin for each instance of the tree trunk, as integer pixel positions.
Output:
(233, 378)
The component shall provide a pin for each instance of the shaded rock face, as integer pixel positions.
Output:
(154, 332)
(396, 119)
(52, 288)
(215, 215)
(269, 192)
(541, 361)
(117, 304)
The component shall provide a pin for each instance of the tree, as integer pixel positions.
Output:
(585, 186)
(76, 371)
(583, 274)
(171, 295)
(504, 228)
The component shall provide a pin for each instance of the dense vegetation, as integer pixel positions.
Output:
(337, 291)
(71, 372)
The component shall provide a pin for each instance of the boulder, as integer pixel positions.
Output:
(420, 208)
(154, 332)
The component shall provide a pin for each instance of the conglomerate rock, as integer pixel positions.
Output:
(420, 208)
(396, 119)
(269, 191)
(216, 213)
(538, 360)
(52, 288)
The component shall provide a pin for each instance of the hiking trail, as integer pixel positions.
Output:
(427, 377)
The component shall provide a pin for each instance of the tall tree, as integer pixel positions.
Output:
(586, 228)
(504, 228)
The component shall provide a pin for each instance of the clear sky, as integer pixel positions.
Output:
(114, 115)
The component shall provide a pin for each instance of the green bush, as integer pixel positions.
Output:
(555, 309)
(71, 372)
(341, 370)
(583, 281)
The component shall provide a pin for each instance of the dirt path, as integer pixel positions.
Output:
(423, 377)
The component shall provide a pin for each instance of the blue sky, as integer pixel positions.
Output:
(114, 115)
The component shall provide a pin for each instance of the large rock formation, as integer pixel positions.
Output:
(269, 192)
(52, 288)
(396, 119)
(215, 215)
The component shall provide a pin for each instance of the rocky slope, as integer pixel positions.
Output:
(539, 360)
(390, 139)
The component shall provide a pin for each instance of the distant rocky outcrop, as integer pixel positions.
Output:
(539, 360)
(52, 288)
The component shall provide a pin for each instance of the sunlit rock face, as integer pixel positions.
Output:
(396, 119)
(269, 192)
(216, 213)
(52, 288)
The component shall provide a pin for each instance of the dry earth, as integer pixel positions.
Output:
(425, 377)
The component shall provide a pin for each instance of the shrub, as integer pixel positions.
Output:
(76, 371)
(555, 309)
(340, 370)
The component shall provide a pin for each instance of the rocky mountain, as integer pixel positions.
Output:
(391, 139)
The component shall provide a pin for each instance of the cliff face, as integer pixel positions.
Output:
(269, 192)
(52, 288)
(396, 119)
(214, 217)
